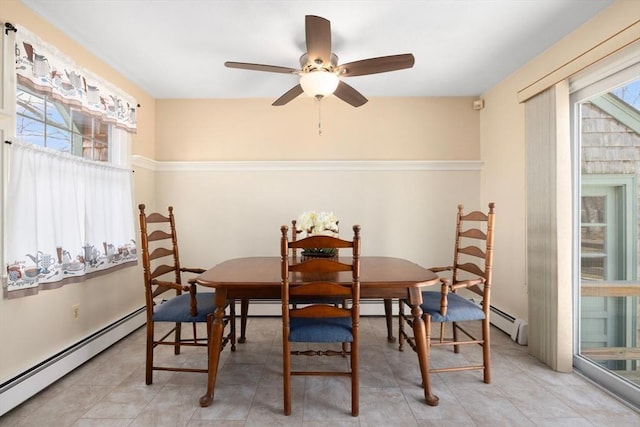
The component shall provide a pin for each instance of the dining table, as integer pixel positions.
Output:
(256, 278)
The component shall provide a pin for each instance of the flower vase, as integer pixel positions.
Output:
(319, 252)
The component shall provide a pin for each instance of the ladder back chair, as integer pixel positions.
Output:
(388, 314)
(327, 320)
(471, 271)
(180, 303)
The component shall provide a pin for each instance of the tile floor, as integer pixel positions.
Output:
(110, 390)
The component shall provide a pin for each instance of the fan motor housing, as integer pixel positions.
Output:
(307, 64)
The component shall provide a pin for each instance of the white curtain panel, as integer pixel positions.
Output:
(549, 254)
(67, 218)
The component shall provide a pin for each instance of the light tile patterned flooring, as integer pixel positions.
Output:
(110, 390)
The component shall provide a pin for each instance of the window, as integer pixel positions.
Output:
(606, 130)
(68, 182)
(606, 230)
(608, 320)
(43, 120)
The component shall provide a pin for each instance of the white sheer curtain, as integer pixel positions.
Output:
(67, 218)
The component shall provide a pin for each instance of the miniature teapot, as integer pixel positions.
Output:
(35, 258)
(74, 78)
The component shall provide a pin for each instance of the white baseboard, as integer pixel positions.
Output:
(27, 384)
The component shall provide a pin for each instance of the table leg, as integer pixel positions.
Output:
(422, 335)
(244, 311)
(216, 331)
(388, 314)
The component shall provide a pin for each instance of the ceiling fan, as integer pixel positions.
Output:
(320, 74)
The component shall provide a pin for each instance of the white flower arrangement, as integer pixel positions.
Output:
(312, 222)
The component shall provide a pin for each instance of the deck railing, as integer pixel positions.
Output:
(611, 288)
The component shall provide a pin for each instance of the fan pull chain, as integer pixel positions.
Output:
(319, 116)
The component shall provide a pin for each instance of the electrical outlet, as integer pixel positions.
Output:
(76, 311)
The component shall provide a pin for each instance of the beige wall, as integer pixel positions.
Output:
(383, 129)
(502, 134)
(235, 171)
(403, 212)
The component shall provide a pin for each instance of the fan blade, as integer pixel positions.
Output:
(349, 95)
(288, 96)
(261, 67)
(381, 64)
(318, 35)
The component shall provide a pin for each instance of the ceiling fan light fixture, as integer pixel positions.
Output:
(319, 83)
(319, 73)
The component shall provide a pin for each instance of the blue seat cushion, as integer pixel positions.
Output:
(459, 309)
(178, 309)
(332, 329)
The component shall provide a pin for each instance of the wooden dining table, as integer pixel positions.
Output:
(259, 278)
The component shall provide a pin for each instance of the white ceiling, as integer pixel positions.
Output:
(177, 48)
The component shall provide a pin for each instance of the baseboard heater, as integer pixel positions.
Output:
(517, 329)
(27, 384)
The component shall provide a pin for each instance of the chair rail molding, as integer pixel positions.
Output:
(307, 165)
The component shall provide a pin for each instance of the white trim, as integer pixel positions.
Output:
(307, 165)
(625, 37)
(626, 59)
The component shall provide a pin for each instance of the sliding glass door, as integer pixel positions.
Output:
(606, 130)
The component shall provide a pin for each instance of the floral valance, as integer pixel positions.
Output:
(44, 68)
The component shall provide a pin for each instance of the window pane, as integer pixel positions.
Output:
(592, 267)
(608, 303)
(87, 149)
(46, 121)
(101, 151)
(30, 130)
(76, 149)
(81, 123)
(593, 210)
(57, 114)
(95, 151)
(630, 94)
(101, 132)
(30, 105)
(59, 139)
